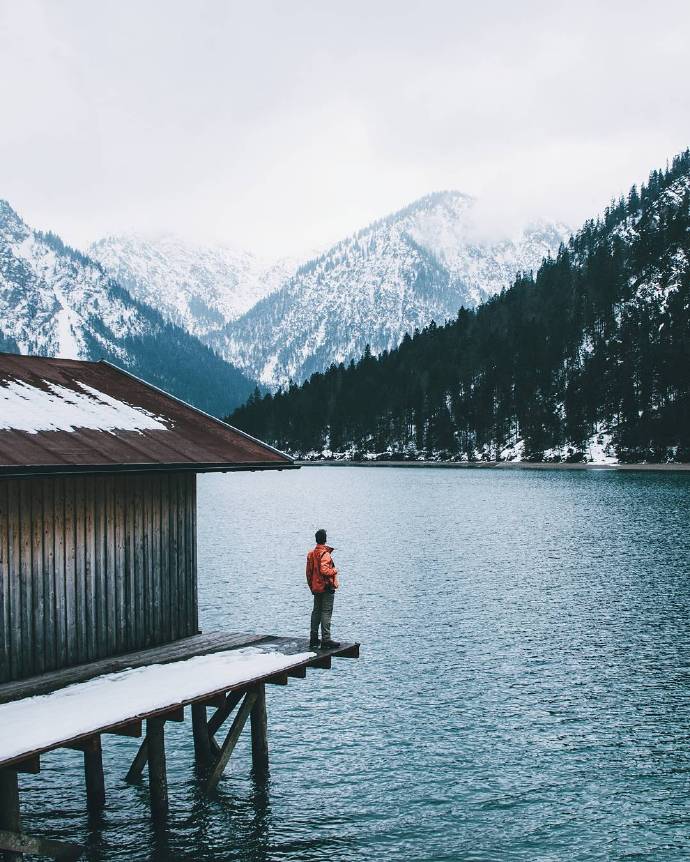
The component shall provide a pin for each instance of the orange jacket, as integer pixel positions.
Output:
(321, 570)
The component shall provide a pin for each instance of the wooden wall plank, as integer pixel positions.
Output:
(111, 592)
(90, 596)
(5, 621)
(174, 557)
(80, 565)
(27, 610)
(59, 584)
(71, 616)
(152, 558)
(166, 592)
(182, 556)
(99, 567)
(191, 572)
(119, 570)
(126, 489)
(47, 493)
(15, 591)
(35, 529)
(140, 577)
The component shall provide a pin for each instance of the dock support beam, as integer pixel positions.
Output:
(137, 768)
(9, 809)
(158, 780)
(259, 725)
(202, 738)
(93, 775)
(231, 740)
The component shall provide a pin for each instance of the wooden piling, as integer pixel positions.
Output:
(202, 739)
(9, 809)
(259, 727)
(93, 775)
(158, 781)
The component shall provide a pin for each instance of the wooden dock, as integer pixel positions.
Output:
(235, 702)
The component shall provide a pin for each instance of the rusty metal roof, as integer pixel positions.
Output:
(68, 416)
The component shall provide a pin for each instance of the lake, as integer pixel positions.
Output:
(523, 691)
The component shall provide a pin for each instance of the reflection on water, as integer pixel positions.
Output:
(522, 692)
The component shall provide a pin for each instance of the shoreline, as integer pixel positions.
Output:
(503, 465)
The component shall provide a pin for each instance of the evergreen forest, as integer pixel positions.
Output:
(593, 349)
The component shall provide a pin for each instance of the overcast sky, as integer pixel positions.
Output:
(282, 126)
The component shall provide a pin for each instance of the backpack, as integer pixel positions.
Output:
(310, 569)
(313, 567)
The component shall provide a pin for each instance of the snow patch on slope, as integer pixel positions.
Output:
(67, 325)
(199, 287)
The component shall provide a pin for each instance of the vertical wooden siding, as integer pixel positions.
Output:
(93, 566)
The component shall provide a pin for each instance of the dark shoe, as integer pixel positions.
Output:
(313, 644)
(330, 644)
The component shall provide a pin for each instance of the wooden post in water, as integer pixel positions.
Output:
(202, 739)
(93, 775)
(9, 809)
(158, 780)
(259, 726)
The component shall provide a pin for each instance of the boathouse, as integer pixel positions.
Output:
(99, 627)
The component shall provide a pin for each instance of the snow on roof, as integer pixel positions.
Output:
(65, 415)
(39, 723)
(51, 407)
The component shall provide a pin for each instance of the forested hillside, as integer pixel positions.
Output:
(589, 360)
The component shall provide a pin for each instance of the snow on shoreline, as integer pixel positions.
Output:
(40, 722)
(598, 451)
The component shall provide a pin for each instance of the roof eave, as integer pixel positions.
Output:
(17, 472)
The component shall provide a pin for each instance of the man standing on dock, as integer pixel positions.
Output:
(322, 577)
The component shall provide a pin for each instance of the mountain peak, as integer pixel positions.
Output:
(418, 264)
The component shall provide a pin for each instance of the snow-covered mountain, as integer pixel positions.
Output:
(402, 272)
(199, 287)
(55, 301)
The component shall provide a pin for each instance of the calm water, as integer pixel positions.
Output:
(523, 691)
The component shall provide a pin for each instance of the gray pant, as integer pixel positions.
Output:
(321, 615)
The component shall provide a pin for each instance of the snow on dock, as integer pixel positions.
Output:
(115, 698)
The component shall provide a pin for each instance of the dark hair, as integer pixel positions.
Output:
(320, 537)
